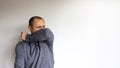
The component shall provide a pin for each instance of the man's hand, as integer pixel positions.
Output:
(23, 35)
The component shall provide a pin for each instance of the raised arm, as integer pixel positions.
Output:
(43, 35)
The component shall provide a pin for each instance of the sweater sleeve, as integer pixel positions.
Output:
(44, 35)
(19, 59)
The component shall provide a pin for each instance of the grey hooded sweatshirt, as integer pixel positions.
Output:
(36, 51)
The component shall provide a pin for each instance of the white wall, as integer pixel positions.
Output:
(87, 33)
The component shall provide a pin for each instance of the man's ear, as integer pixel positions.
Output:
(29, 27)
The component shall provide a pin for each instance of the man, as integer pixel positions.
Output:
(36, 49)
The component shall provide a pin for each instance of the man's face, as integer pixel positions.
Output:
(37, 25)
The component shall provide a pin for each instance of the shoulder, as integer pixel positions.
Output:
(21, 44)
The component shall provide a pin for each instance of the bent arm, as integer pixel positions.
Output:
(40, 35)
(43, 35)
(19, 59)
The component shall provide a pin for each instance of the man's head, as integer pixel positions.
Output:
(36, 23)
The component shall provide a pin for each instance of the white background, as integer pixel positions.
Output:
(87, 33)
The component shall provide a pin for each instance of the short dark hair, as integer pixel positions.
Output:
(32, 19)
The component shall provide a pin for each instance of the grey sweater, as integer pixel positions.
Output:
(36, 51)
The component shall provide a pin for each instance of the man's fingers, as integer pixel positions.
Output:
(23, 35)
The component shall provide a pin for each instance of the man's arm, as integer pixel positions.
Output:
(43, 35)
(19, 59)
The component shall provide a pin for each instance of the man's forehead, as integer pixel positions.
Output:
(38, 22)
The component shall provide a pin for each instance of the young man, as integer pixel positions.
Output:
(36, 49)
